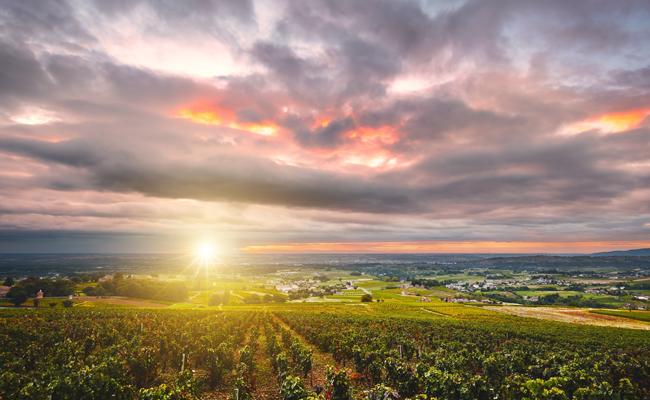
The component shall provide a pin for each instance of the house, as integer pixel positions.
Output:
(459, 300)
(4, 290)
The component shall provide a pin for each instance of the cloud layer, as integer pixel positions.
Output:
(329, 121)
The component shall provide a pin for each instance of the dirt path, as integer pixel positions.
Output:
(572, 315)
(434, 312)
(266, 384)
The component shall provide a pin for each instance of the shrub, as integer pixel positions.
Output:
(381, 392)
(17, 296)
(338, 385)
(293, 389)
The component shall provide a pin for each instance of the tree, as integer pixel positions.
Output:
(366, 298)
(89, 291)
(17, 296)
(9, 281)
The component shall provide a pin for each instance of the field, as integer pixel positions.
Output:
(636, 315)
(372, 332)
(574, 315)
(125, 350)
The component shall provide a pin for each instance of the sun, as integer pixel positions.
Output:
(206, 254)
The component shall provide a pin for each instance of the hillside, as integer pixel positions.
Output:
(633, 252)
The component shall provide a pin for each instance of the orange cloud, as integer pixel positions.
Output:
(321, 122)
(201, 117)
(446, 247)
(384, 134)
(212, 115)
(611, 122)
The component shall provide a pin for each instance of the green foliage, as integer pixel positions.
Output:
(281, 365)
(381, 392)
(144, 366)
(94, 291)
(366, 298)
(85, 353)
(17, 296)
(242, 389)
(114, 354)
(483, 357)
(143, 289)
(51, 287)
(293, 389)
(338, 385)
(185, 388)
(217, 368)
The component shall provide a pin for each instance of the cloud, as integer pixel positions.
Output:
(223, 177)
(327, 136)
(22, 76)
(288, 109)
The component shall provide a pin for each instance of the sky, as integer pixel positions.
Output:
(342, 126)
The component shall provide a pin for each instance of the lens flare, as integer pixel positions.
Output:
(206, 254)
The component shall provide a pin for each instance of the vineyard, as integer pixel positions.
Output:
(298, 352)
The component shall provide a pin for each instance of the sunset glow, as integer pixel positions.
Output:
(622, 121)
(226, 119)
(445, 247)
(611, 122)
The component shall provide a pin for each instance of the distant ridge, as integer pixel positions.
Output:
(634, 252)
